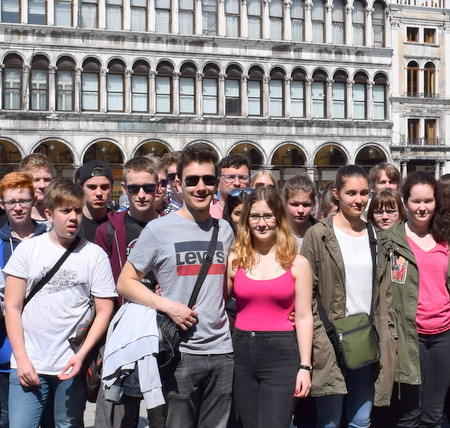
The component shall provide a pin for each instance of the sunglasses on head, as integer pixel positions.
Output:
(239, 191)
(133, 189)
(192, 180)
(261, 184)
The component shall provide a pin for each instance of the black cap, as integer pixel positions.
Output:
(93, 168)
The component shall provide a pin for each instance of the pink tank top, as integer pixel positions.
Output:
(264, 305)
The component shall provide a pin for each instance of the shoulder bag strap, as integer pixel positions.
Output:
(207, 262)
(52, 271)
(373, 251)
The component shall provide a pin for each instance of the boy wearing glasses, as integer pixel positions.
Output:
(96, 179)
(17, 199)
(234, 174)
(173, 248)
(117, 236)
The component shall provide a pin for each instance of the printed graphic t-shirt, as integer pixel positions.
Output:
(173, 248)
(54, 313)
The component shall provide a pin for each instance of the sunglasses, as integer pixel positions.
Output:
(260, 184)
(163, 182)
(240, 192)
(171, 176)
(133, 189)
(192, 180)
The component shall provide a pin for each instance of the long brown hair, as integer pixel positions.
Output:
(286, 245)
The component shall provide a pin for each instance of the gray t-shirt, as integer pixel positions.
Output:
(173, 248)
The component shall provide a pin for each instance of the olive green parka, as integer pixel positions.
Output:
(321, 248)
(400, 272)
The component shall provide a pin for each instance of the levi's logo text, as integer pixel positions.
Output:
(190, 255)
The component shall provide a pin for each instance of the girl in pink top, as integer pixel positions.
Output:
(269, 281)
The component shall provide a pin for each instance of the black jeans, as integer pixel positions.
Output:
(266, 365)
(422, 405)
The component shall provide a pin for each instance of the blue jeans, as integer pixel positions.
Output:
(198, 392)
(358, 402)
(26, 404)
(266, 367)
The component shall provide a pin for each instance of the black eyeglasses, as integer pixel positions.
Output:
(171, 176)
(163, 182)
(192, 180)
(133, 189)
(243, 191)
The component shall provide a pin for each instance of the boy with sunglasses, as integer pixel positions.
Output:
(96, 179)
(117, 237)
(198, 389)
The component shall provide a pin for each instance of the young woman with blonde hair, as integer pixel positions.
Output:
(269, 280)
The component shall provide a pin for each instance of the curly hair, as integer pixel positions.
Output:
(286, 245)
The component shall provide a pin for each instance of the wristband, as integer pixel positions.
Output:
(303, 367)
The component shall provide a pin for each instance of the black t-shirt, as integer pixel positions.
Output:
(89, 227)
(133, 229)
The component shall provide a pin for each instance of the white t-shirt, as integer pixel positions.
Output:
(357, 258)
(54, 313)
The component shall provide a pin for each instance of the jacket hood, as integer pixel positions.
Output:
(5, 231)
(117, 219)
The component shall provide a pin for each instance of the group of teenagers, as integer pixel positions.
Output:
(278, 251)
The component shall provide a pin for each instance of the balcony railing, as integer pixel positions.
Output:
(422, 3)
(422, 94)
(423, 141)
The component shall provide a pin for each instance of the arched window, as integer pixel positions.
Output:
(318, 21)
(232, 12)
(186, 16)
(65, 78)
(90, 84)
(254, 12)
(338, 17)
(297, 20)
(298, 93)
(359, 21)
(11, 11)
(412, 80)
(233, 91)
(210, 89)
(12, 82)
(360, 96)
(138, 9)
(39, 83)
(115, 80)
(162, 12)
(254, 91)
(276, 19)
(276, 93)
(187, 88)
(139, 87)
(379, 97)
(429, 80)
(164, 87)
(319, 94)
(37, 12)
(89, 14)
(114, 14)
(340, 95)
(378, 24)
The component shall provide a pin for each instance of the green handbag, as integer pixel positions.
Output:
(358, 341)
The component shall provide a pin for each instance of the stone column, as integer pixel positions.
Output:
(369, 107)
(199, 94)
(265, 20)
(287, 20)
(265, 99)
(244, 19)
(221, 95)
(127, 105)
(287, 97)
(244, 97)
(77, 93)
(51, 88)
(102, 90)
(152, 92)
(176, 93)
(308, 21)
(308, 98)
(221, 19)
(329, 99)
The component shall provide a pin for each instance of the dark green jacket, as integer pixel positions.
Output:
(400, 272)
